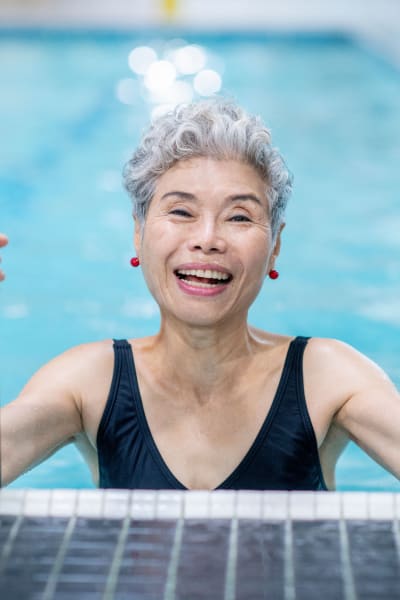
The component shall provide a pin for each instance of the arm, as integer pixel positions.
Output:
(44, 417)
(369, 405)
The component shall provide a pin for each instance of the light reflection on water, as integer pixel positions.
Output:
(334, 114)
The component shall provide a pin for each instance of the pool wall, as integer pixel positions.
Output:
(376, 20)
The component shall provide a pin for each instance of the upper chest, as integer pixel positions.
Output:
(230, 413)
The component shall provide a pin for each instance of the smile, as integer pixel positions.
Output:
(203, 278)
(197, 281)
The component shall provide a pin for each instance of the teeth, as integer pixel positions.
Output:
(200, 284)
(207, 273)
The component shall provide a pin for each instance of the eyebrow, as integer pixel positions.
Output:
(232, 197)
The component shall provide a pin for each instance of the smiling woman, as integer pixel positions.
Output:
(209, 401)
(217, 242)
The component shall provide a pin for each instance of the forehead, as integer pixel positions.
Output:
(205, 175)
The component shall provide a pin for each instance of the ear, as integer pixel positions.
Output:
(137, 240)
(276, 250)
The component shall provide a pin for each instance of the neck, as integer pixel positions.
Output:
(204, 358)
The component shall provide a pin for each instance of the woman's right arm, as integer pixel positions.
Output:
(3, 242)
(44, 417)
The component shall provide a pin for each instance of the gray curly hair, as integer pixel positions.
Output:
(216, 128)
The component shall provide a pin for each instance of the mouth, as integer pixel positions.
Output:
(203, 278)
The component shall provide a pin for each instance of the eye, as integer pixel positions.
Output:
(180, 212)
(240, 219)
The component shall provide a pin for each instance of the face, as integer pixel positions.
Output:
(206, 247)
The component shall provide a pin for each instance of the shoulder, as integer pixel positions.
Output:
(340, 366)
(334, 354)
(76, 370)
(83, 356)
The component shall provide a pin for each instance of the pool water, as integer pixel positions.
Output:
(72, 112)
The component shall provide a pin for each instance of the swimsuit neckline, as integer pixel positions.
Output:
(227, 482)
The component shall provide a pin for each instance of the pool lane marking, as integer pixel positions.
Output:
(112, 578)
(51, 585)
(170, 585)
(347, 570)
(289, 591)
(230, 577)
(7, 548)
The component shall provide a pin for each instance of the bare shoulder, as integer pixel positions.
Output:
(89, 368)
(341, 368)
(77, 360)
(335, 355)
(72, 376)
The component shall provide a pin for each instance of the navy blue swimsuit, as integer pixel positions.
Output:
(284, 455)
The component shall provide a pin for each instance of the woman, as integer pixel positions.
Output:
(209, 401)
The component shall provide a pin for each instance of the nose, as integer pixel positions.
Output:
(207, 237)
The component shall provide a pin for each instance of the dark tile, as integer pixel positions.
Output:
(202, 564)
(6, 523)
(32, 555)
(374, 559)
(259, 568)
(147, 554)
(317, 561)
(202, 561)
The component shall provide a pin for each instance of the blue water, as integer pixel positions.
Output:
(334, 112)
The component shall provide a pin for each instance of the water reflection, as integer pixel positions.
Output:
(160, 76)
(189, 59)
(172, 73)
(141, 58)
(207, 82)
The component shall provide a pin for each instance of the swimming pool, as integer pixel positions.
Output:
(74, 110)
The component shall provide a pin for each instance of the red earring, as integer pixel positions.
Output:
(273, 274)
(135, 262)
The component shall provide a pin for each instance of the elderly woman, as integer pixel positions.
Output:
(209, 401)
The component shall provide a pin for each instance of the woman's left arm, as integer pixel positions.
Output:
(371, 411)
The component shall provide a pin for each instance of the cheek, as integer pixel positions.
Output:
(156, 248)
(257, 251)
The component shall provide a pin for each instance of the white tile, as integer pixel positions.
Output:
(63, 503)
(302, 505)
(354, 505)
(381, 505)
(197, 504)
(143, 504)
(12, 502)
(222, 504)
(328, 505)
(169, 504)
(116, 504)
(90, 504)
(397, 506)
(37, 503)
(249, 504)
(275, 505)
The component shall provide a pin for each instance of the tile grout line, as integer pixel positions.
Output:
(347, 571)
(230, 577)
(289, 591)
(112, 578)
(51, 584)
(396, 533)
(170, 586)
(13, 534)
(7, 548)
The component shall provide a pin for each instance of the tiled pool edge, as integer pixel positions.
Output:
(220, 504)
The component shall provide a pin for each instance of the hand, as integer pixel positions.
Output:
(3, 242)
